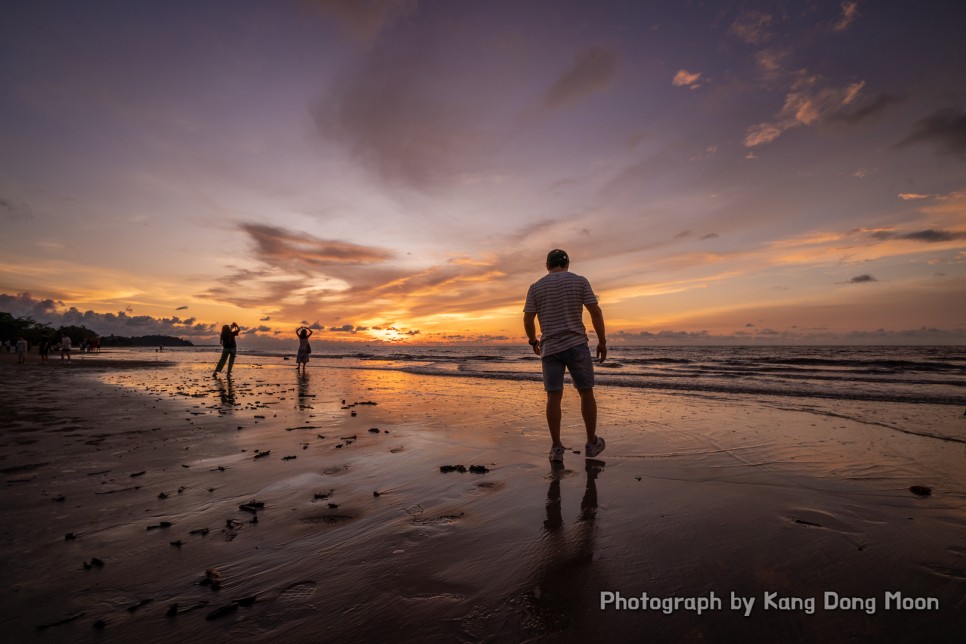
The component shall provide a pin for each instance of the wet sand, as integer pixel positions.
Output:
(152, 502)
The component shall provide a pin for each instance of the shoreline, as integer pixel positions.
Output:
(694, 494)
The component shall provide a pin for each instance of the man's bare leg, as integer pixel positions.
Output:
(553, 416)
(588, 409)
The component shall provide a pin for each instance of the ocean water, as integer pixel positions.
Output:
(933, 375)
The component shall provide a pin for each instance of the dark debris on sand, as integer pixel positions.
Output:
(163, 524)
(93, 563)
(252, 506)
(211, 579)
(475, 469)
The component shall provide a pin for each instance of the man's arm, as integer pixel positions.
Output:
(597, 318)
(531, 329)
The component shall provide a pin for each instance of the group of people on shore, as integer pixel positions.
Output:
(22, 347)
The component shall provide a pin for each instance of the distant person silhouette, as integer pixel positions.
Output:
(44, 349)
(557, 300)
(229, 347)
(65, 347)
(302, 357)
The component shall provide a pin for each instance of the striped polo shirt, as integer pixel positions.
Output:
(558, 299)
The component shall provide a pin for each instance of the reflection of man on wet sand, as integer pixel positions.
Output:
(559, 594)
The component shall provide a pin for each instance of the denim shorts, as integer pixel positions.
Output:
(577, 360)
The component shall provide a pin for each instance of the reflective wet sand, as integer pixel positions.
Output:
(153, 502)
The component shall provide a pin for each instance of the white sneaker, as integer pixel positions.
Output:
(557, 454)
(593, 450)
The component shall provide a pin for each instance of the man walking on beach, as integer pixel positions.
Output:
(558, 300)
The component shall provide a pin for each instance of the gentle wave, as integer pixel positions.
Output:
(734, 385)
(931, 374)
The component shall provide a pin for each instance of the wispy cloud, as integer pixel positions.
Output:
(12, 210)
(866, 109)
(752, 27)
(806, 103)
(827, 248)
(771, 62)
(928, 236)
(707, 153)
(285, 247)
(850, 11)
(684, 78)
(862, 279)
(592, 70)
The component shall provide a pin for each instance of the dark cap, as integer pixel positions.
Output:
(556, 258)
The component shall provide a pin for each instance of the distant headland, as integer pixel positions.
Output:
(12, 328)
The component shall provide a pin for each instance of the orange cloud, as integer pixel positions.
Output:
(770, 62)
(805, 104)
(950, 207)
(300, 277)
(684, 78)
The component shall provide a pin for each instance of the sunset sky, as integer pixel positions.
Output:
(397, 170)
